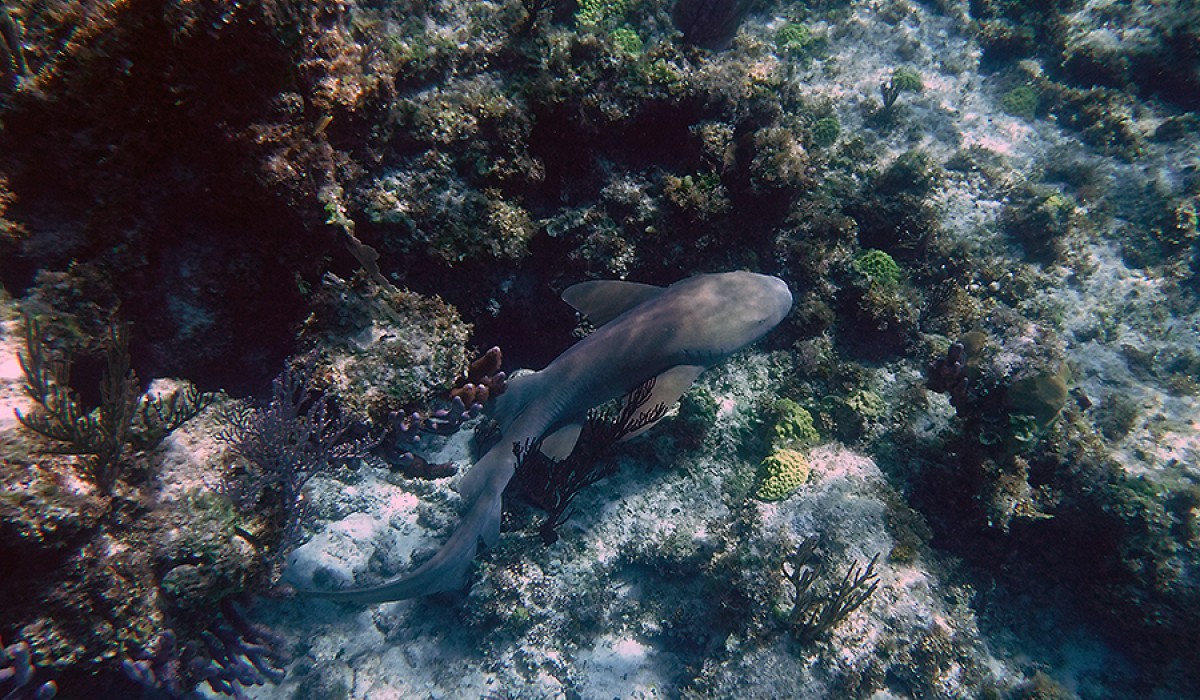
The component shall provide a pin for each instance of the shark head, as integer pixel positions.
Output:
(730, 310)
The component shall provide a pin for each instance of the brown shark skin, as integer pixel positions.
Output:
(695, 323)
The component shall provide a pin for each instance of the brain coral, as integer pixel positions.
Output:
(785, 471)
(794, 426)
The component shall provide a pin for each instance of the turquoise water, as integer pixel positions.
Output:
(253, 257)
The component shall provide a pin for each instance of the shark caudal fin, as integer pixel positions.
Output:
(446, 571)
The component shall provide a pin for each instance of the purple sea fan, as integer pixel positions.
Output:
(286, 442)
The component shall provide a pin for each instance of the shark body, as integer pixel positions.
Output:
(670, 333)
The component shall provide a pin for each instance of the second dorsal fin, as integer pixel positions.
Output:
(600, 301)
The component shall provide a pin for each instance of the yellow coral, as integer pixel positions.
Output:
(785, 471)
(795, 425)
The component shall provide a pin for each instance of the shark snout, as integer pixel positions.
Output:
(782, 297)
(773, 300)
(756, 303)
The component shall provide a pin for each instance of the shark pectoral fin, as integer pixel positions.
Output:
(668, 387)
(559, 444)
(600, 301)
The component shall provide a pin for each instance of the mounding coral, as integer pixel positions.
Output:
(793, 426)
(784, 472)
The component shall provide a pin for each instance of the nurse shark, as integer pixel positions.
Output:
(670, 334)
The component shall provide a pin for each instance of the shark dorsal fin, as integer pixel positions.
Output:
(600, 301)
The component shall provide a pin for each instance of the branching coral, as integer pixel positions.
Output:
(482, 381)
(16, 675)
(159, 669)
(100, 435)
(818, 602)
(12, 52)
(240, 653)
(237, 654)
(123, 418)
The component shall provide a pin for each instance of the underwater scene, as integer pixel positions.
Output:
(599, 349)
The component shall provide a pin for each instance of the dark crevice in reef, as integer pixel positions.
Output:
(138, 164)
(574, 152)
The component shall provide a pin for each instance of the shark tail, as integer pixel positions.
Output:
(445, 571)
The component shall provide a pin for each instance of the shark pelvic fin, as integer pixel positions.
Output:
(559, 444)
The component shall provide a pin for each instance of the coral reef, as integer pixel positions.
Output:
(878, 268)
(784, 471)
(105, 567)
(793, 426)
(711, 24)
(949, 375)
(146, 219)
(1021, 101)
(987, 212)
(825, 131)
(17, 672)
(380, 350)
(902, 80)
(236, 655)
(1039, 219)
(12, 49)
(793, 38)
(482, 381)
(100, 436)
(124, 419)
(240, 653)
